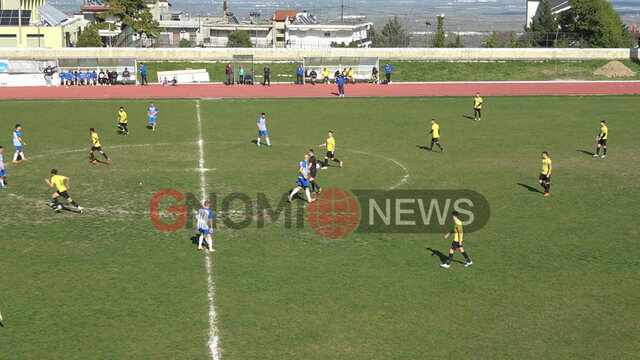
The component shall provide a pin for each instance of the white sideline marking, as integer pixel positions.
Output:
(213, 329)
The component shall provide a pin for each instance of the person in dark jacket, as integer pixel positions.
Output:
(126, 76)
(114, 77)
(229, 73)
(267, 75)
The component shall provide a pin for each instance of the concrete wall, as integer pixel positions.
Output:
(416, 54)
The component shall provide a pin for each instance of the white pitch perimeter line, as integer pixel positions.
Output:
(213, 329)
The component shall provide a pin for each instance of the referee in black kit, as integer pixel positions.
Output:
(313, 171)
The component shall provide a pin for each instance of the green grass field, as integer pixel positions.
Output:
(433, 71)
(554, 278)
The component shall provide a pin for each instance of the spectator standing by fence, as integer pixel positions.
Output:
(267, 76)
(241, 75)
(48, 75)
(229, 72)
(143, 74)
(388, 69)
(374, 75)
(300, 75)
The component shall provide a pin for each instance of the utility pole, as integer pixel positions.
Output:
(19, 23)
(342, 11)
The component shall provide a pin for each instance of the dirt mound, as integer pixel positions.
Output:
(614, 69)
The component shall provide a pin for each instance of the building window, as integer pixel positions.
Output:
(327, 34)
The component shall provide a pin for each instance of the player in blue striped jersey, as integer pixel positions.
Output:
(152, 112)
(3, 171)
(204, 223)
(303, 180)
(18, 143)
(262, 129)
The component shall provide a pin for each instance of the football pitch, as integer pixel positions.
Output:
(553, 277)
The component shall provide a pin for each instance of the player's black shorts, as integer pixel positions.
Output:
(313, 172)
(64, 194)
(602, 142)
(455, 245)
(435, 139)
(96, 148)
(330, 154)
(544, 177)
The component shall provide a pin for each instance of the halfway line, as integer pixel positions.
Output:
(213, 329)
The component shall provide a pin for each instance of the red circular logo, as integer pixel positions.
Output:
(335, 213)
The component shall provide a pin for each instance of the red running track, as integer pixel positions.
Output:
(316, 91)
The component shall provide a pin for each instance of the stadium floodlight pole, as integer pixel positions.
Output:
(342, 11)
(19, 22)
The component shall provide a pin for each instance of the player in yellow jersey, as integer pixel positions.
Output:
(62, 185)
(331, 151)
(458, 235)
(477, 107)
(96, 146)
(122, 122)
(602, 140)
(545, 176)
(435, 135)
(325, 76)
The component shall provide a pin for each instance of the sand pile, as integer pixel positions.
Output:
(614, 69)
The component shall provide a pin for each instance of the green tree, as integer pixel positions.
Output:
(239, 39)
(376, 40)
(352, 44)
(544, 26)
(458, 43)
(89, 37)
(134, 13)
(492, 42)
(439, 38)
(597, 22)
(394, 34)
(184, 43)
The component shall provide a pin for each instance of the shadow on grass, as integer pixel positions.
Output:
(586, 152)
(442, 256)
(65, 208)
(468, 117)
(530, 188)
(423, 147)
